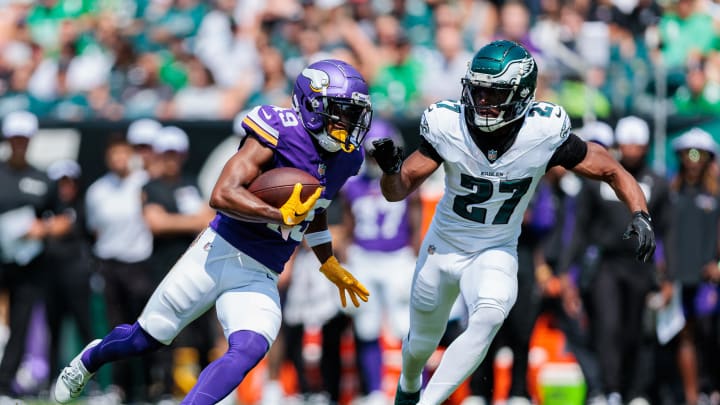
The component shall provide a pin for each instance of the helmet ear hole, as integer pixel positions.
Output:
(308, 105)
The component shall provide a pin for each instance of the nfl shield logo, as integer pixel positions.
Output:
(321, 169)
(492, 155)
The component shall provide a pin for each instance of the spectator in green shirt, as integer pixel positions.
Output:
(396, 87)
(698, 96)
(46, 17)
(684, 29)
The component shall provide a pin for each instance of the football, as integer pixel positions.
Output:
(276, 185)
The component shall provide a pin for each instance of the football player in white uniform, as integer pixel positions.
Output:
(495, 145)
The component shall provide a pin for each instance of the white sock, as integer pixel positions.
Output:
(412, 368)
(410, 385)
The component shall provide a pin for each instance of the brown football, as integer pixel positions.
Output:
(276, 185)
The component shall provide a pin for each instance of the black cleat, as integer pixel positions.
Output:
(406, 398)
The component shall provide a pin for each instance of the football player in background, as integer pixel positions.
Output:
(383, 240)
(495, 145)
(234, 263)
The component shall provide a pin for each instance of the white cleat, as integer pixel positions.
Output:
(73, 378)
(474, 400)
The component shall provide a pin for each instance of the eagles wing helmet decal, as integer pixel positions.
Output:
(510, 75)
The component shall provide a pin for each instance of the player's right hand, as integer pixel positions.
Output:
(388, 156)
(345, 282)
(294, 210)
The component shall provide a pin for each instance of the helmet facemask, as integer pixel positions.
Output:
(492, 106)
(499, 85)
(347, 121)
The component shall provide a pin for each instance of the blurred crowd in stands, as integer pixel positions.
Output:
(191, 59)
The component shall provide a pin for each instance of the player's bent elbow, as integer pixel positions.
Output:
(217, 200)
(612, 177)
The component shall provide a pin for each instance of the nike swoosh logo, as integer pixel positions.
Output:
(557, 114)
(266, 115)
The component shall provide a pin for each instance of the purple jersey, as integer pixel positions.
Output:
(279, 129)
(379, 225)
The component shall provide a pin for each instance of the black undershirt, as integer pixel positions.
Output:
(499, 141)
(567, 155)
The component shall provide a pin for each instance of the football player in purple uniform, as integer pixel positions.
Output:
(235, 262)
(384, 237)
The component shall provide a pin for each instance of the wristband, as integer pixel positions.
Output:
(643, 214)
(318, 238)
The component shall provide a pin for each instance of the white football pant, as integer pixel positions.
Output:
(214, 272)
(488, 282)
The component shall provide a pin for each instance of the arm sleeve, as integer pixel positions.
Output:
(427, 149)
(569, 153)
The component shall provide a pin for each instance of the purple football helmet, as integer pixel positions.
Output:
(333, 92)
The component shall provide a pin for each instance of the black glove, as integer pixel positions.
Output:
(641, 226)
(387, 155)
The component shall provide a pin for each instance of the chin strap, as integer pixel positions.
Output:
(327, 143)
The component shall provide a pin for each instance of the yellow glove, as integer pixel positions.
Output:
(294, 211)
(344, 281)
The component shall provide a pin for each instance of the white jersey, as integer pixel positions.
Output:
(486, 195)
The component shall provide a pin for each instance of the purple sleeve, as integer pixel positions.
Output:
(659, 255)
(543, 210)
(262, 122)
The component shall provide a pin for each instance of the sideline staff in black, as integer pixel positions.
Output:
(619, 284)
(26, 196)
(68, 283)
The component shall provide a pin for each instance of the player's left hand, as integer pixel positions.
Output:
(345, 281)
(641, 226)
(294, 211)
